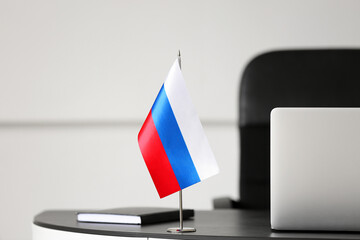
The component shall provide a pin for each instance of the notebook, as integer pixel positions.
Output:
(315, 169)
(133, 215)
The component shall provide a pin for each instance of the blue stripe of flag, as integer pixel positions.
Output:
(173, 141)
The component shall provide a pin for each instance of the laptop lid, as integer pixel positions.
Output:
(315, 169)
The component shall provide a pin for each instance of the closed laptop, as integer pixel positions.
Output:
(315, 169)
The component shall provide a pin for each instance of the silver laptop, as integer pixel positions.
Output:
(315, 169)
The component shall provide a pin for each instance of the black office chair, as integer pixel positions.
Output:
(288, 78)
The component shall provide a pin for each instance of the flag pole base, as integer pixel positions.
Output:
(179, 230)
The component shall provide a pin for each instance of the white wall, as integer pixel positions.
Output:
(78, 77)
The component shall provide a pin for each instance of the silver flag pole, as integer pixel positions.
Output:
(181, 211)
(181, 228)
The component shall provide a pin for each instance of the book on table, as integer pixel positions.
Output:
(133, 215)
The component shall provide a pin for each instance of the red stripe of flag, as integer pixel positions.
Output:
(156, 159)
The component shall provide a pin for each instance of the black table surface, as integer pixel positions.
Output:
(216, 224)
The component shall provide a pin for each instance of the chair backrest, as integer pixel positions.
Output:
(288, 78)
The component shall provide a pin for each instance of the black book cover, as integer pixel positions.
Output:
(133, 215)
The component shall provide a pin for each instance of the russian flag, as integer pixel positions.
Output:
(172, 140)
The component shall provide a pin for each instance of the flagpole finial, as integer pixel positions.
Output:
(179, 58)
